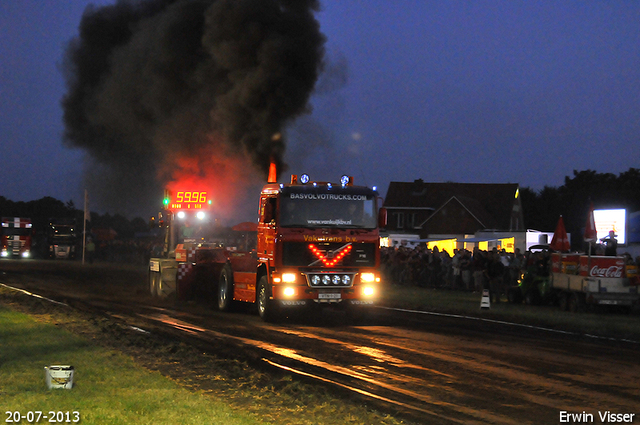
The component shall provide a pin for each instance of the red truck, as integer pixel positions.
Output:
(317, 245)
(16, 237)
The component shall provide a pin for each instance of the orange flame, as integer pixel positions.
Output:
(272, 173)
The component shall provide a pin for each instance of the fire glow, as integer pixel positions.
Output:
(210, 177)
(330, 262)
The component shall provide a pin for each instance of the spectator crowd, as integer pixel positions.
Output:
(465, 270)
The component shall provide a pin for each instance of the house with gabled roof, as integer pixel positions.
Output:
(452, 210)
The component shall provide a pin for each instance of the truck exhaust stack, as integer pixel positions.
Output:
(272, 178)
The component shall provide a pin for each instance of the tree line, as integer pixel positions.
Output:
(572, 200)
(541, 209)
(42, 210)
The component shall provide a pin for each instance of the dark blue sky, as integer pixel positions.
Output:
(483, 91)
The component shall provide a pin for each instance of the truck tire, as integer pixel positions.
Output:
(153, 283)
(532, 297)
(576, 303)
(225, 289)
(563, 301)
(514, 295)
(266, 306)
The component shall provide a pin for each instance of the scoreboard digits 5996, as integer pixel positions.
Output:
(189, 200)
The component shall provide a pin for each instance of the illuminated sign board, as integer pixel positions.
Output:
(188, 200)
(615, 220)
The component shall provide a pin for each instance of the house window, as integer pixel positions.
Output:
(399, 220)
(412, 222)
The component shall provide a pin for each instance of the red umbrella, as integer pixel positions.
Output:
(560, 241)
(590, 234)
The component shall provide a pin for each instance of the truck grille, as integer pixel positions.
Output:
(330, 280)
(15, 246)
(62, 251)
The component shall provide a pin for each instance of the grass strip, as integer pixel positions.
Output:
(108, 387)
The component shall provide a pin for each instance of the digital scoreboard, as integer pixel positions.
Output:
(186, 200)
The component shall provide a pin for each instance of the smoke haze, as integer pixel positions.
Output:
(165, 92)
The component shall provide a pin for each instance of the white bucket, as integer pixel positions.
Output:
(59, 376)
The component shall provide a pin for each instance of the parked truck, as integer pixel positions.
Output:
(16, 237)
(317, 244)
(62, 238)
(574, 281)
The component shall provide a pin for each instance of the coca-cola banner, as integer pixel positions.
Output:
(599, 266)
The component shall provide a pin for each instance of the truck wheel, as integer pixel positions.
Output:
(153, 284)
(532, 297)
(514, 295)
(563, 301)
(225, 289)
(266, 307)
(576, 303)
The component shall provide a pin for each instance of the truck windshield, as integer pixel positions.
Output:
(16, 231)
(322, 209)
(63, 230)
(64, 239)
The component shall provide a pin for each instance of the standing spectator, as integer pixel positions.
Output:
(478, 266)
(515, 267)
(455, 267)
(506, 259)
(610, 244)
(90, 250)
(434, 268)
(446, 269)
(495, 273)
(465, 269)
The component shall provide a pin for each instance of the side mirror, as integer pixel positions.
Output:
(382, 218)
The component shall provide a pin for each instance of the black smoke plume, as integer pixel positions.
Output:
(152, 82)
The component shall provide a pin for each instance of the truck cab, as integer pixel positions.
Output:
(16, 237)
(62, 238)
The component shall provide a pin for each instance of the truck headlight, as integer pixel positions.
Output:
(368, 277)
(288, 277)
(368, 291)
(289, 291)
